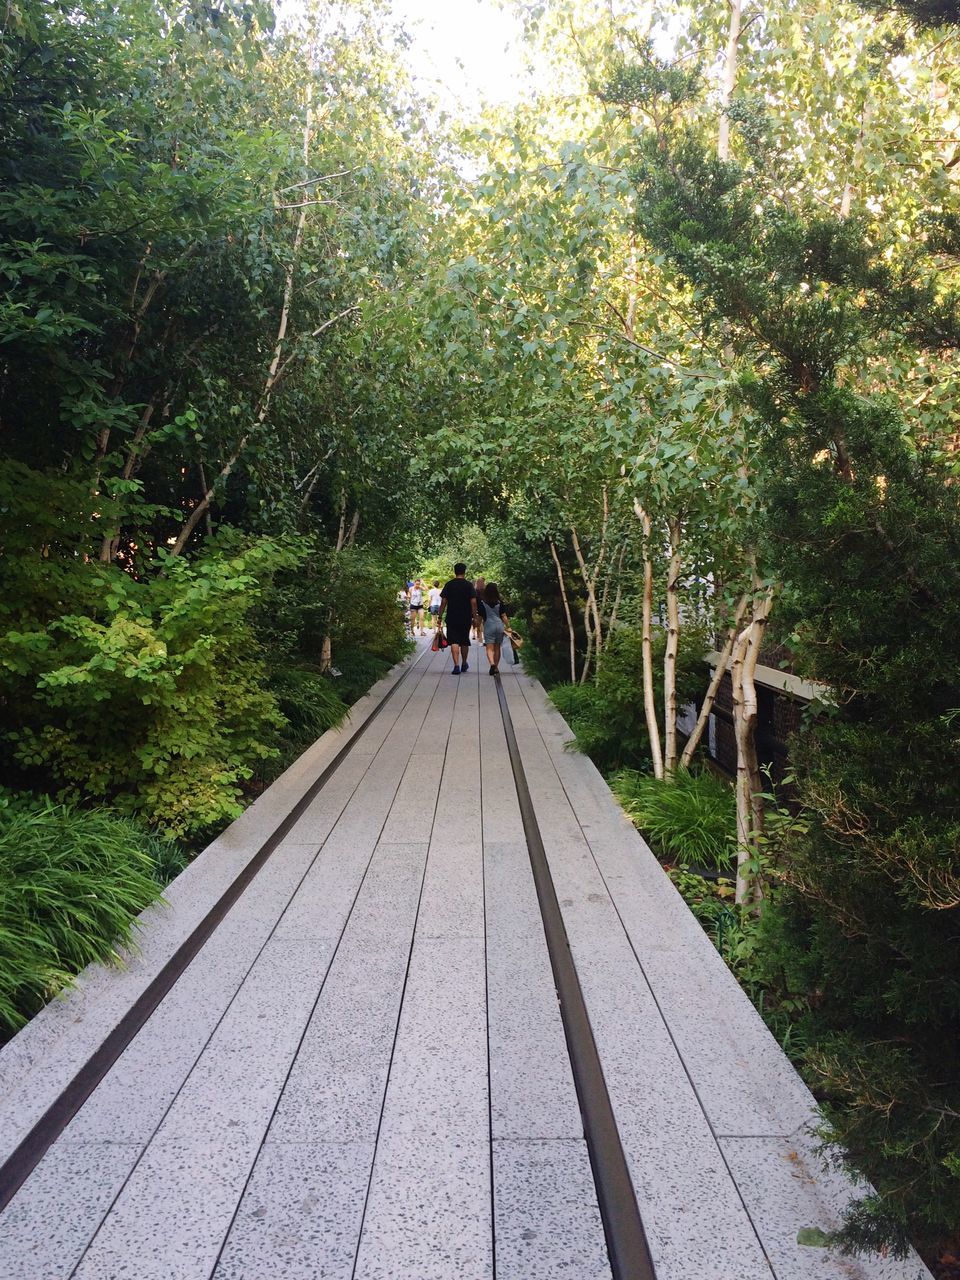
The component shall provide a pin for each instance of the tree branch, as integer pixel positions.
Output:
(324, 177)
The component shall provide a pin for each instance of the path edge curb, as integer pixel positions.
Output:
(46, 1100)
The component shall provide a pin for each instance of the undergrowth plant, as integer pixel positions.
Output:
(309, 703)
(606, 713)
(155, 701)
(72, 883)
(690, 818)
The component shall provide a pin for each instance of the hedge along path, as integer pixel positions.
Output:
(365, 1071)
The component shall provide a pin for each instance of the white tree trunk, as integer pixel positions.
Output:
(649, 700)
(729, 78)
(567, 614)
(326, 653)
(611, 621)
(276, 369)
(591, 613)
(743, 668)
(723, 664)
(846, 200)
(670, 654)
(758, 627)
(744, 806)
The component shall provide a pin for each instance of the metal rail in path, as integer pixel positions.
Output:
(629, 1251)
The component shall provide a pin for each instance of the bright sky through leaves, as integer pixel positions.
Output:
(464, 50)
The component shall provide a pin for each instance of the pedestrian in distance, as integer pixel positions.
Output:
(416, 608)
(403, 600)
(458, 600)
(495, 624)
(433, 598)
(478, 586)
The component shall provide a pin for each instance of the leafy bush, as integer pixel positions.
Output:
(539, 665)
(71, 884)
(572, 700)
(691, 818)
(707, 899)
(348, 596)
(155, 700)
(310, 705)
(367, 629)
(743, 939)
(606, 714)
(359, 669)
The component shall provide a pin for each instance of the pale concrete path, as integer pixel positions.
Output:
(363, 1073)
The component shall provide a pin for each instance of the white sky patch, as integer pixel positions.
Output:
(465, 52)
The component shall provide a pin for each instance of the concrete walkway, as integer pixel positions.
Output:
(363, 1072)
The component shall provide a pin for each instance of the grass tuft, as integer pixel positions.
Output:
(71, 885)
(310, 704)
(691, 818)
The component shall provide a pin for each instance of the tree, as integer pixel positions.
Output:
(863, 526)
(206, 231)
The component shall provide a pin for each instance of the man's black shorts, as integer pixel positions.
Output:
(459, 634)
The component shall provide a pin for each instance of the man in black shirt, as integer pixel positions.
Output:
(459, 601)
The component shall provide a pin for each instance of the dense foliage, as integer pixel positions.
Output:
(71, 884)
(606, 714)
(170, 664)
(206, 370)
(865, 528)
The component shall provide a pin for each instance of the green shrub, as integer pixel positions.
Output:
(358, 670)
(573, 701)
(349, 596)
(709, 900)
(690, 818)
(155, 701)
(606, 714)
(169, 857)
(71, 884)
(309, 703)
(367, 630)
(541, 665)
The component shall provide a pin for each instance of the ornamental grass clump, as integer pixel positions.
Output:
(72, 882)
(310, 705)
(690, 818)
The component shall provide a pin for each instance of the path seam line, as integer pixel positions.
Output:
(403, 988)
(145, 1147)
(649, 985)
(307, 1025)
(627, 1245)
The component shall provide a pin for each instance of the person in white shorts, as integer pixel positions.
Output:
(416, 608)
(433, 599)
